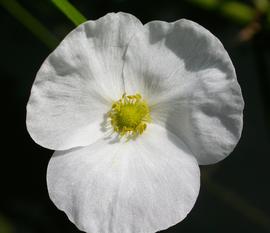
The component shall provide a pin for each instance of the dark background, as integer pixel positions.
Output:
(235, 193)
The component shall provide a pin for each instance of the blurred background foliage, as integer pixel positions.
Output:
(234, 196)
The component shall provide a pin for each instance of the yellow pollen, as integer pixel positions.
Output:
(129, 115)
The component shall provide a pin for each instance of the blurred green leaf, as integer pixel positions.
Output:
(238, 11)
(5, 226)
(207, 4)
(70, 11)
(30, 22)
(235, 10)
(268, 20)
(262, 5)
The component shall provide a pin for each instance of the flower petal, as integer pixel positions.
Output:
(76, 84)
(188, 79)
(137, 186)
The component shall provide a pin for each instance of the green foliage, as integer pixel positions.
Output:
(70, 11)
(262, 5)
(235, 10)
(5, 225)
(207, 4)
(238, 11)
(30, 22)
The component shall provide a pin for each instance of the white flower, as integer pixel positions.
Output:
(169, 94)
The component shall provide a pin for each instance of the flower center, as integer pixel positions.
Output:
(130, 115)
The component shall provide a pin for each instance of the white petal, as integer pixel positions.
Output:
(137, 186)
(188, 79)
(76, 84)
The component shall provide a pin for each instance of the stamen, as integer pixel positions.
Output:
(130, 115)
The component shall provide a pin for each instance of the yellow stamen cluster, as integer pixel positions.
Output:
(130, 115)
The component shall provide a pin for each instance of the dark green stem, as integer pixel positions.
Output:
(30, 22)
